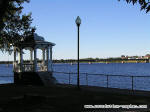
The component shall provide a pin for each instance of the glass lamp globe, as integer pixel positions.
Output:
(78, 21)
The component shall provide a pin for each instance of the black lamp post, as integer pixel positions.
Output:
(78, 22)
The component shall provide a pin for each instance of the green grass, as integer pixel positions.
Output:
(59, 98)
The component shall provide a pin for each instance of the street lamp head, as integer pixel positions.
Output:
(78, 21)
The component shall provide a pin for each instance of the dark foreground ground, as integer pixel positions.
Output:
(64, 98)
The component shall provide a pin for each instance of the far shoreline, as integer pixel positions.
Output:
(106, 61)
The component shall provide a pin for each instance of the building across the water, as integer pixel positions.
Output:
(32, 72)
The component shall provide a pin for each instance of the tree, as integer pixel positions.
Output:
(14, 26)
(145, 4)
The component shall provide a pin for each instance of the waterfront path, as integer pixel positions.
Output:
(65, 98)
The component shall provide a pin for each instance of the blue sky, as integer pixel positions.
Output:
(109, 28)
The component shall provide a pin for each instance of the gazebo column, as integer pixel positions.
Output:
(35, 60)
(51, 58)
(21, 60)
(31, 56)
(48, 64)
(14, 55)
(43, 51)
(14, 64)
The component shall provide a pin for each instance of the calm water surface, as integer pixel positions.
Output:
(112, 68)
(131, 69)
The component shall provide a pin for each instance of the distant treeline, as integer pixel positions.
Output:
(91, 60)
(6, 62)
(97, 60)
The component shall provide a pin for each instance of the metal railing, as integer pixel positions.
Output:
(107, 79)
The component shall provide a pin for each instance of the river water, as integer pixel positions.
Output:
(127, 69)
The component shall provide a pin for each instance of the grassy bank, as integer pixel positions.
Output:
(62, 98)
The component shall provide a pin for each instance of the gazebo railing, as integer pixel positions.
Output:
(41, 67)
(28, 67)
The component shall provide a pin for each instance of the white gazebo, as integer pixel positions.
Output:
(33, 65)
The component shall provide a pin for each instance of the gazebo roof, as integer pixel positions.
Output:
(37, 40)
(40, 40)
